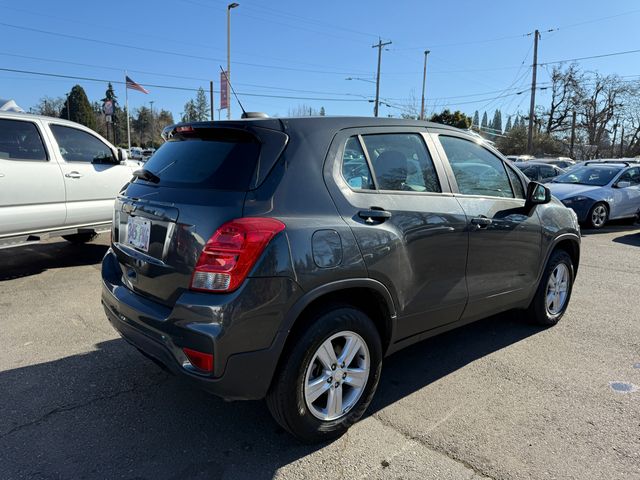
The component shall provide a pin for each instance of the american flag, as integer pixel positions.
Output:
(134, 86)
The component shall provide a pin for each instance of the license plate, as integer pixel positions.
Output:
(138, 231)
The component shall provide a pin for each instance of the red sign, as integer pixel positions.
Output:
(224, 91)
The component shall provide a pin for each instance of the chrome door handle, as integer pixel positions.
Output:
(1, 175)
(73, 175)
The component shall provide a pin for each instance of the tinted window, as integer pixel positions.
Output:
(516, 183)
(20, 141)
(477, 170)
(401, 162)
(547, 171)
(79, 146)
(355, 169)
(219, 159)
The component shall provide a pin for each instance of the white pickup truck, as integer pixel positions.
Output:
(57, 178)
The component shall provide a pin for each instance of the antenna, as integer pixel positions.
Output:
(244, 113)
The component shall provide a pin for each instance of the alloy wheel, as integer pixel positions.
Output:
(336, 376)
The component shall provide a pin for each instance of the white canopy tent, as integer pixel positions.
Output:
(9, 106)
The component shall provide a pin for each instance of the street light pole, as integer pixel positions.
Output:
(229, 7)
(424, 81)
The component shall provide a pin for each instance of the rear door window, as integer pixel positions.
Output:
(401, 162)
(476, 169)
(21, 140)
(216, 158)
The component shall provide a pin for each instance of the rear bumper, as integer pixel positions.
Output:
(241, 329)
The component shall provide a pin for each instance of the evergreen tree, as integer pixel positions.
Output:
(496, 125)
(509, 126)
(202, 106)
(455, 119)
(190, 113)
(78, 109)
(322, 112)
(485, 122)
(476, 119)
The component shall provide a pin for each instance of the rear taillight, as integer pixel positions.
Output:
(231, 252)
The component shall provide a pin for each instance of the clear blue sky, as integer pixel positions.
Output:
(307, 49)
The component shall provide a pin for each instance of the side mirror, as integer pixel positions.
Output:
(122, 155)
(623, 184)
(537, 194)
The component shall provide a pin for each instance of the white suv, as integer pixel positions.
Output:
(57, 178)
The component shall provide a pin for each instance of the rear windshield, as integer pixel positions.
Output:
(221, 160)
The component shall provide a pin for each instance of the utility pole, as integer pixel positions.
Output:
(424, 81)
(573, 133)
(622, 142)
(615, 133)
(532, 107)
(153, 134)
(379, 46)
(68, 108)
(229, 7)
(211, 99)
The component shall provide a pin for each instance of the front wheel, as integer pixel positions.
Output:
(328, 377)
(554, 291)
(598, 216)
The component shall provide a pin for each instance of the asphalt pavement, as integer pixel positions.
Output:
(497, 399)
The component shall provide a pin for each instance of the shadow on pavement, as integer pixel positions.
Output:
(34, 259)
(112, 413)
(632, 239)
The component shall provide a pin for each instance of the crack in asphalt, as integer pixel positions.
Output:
(67, 408)
(424, 443)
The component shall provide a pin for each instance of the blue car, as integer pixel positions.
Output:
(600, 191)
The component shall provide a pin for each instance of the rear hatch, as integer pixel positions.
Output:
(193, 184)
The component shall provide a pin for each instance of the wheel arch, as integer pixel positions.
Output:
(369, 295)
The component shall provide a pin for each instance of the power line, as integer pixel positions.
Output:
(173, 87)
(174, 76)
(176, 54)
(627, 52)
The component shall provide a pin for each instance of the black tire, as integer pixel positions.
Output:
(286, 399)
(537, 311)
(78, 238)
(596, 225)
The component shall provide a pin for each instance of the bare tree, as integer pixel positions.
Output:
(566, 92)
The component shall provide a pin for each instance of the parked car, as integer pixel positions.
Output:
(562, 162)
(57, 178)
(146, 153)
(135, 153)
(284, 258)
(599, 191)
(540, 172)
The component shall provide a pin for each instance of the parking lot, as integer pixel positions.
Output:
(498, 399)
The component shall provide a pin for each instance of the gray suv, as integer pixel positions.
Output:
(285, 258)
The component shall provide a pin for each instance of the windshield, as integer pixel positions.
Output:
(597, 175)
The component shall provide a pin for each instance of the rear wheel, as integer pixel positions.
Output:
(327, 379)
(598, 216)
(552, 298)
(84, 237)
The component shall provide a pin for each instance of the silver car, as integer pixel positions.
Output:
(600, 191)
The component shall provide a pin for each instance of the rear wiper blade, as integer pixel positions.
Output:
(145, 174)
